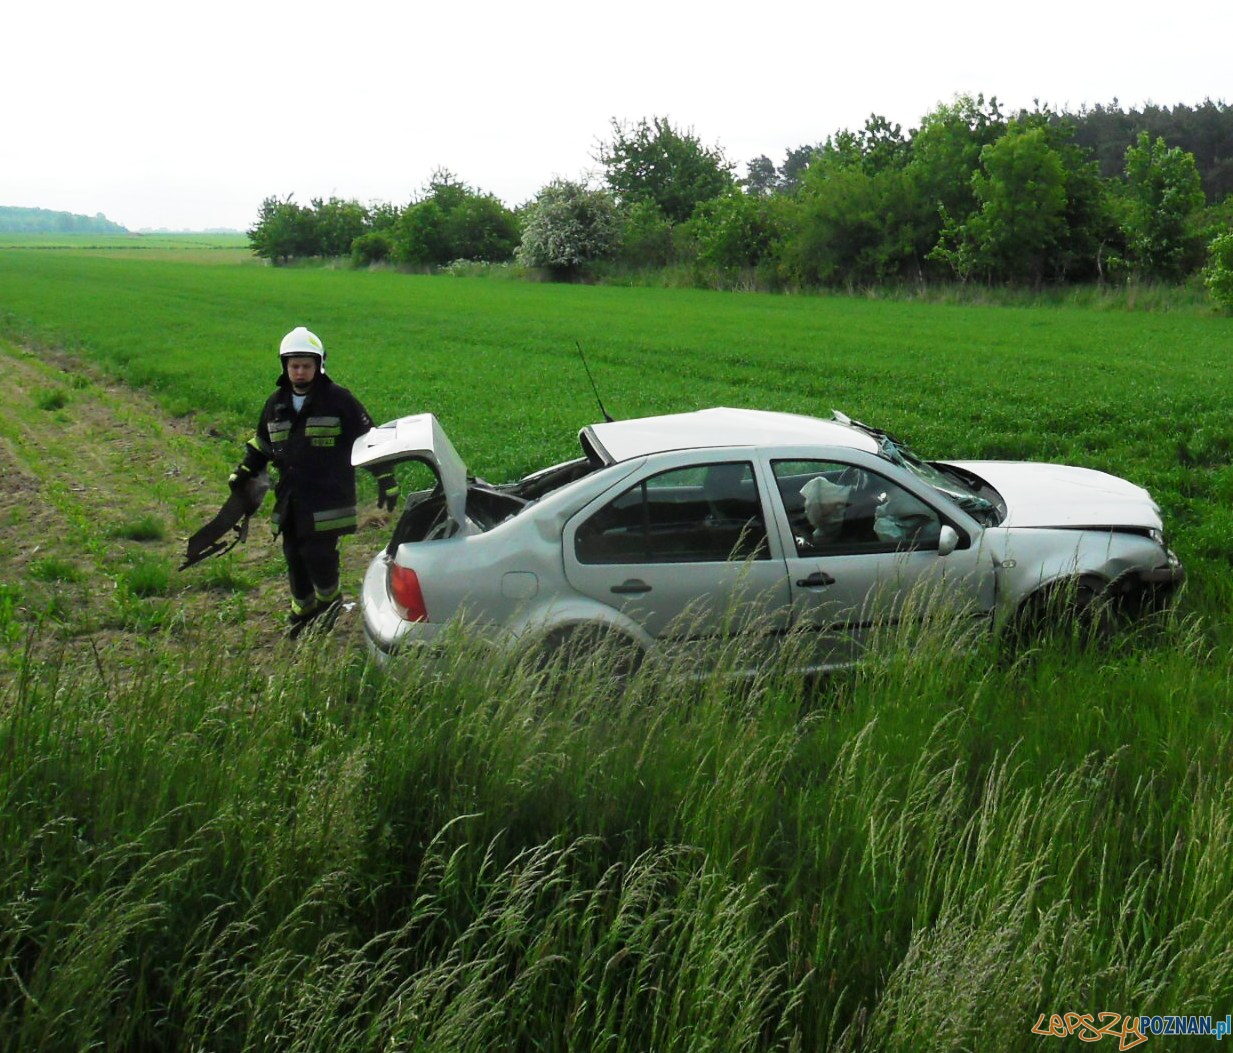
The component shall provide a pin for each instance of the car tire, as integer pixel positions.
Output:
(570, 648)
(1084, 608)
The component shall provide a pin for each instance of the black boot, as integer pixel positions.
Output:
(297, 623)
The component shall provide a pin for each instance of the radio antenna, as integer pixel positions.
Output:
(592, 380)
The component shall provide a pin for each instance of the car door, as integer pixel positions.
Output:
(684, 550)
(866, 550)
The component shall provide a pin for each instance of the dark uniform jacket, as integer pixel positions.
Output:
(312, 451)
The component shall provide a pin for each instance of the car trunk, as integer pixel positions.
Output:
(457, 503)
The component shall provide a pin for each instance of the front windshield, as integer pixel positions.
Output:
(979, 508)
(949, 483)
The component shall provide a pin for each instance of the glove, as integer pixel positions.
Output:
(387, 492)
(239, 477)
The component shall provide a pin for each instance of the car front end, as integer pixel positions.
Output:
(1064, 524)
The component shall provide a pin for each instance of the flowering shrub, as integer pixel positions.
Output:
(568, 226)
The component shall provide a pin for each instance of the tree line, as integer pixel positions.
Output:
(15, 220)
(975, 194)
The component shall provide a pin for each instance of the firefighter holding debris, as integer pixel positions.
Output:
(306, 431)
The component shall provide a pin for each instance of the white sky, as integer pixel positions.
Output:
(166, 114)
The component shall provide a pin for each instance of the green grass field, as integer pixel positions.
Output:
(228, 848)
(230, 248)
(1138, 394)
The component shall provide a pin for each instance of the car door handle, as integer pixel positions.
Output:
(630, 586)
(816, 580)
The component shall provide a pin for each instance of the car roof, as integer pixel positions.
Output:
(620, 440)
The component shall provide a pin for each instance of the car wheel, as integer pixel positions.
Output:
(1084, 608)
(576, 647)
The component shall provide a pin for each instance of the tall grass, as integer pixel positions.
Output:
(230, 849)
(237, 851)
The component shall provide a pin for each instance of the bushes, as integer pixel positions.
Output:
(454, 222)
(374, 247)
(451, 222)
(646, 236)
(736, 230)
(1218, 275)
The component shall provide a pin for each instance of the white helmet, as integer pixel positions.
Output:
(302, 342)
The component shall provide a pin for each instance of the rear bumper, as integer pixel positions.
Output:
(386, 632)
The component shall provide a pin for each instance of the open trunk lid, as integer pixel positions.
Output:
(418, 438)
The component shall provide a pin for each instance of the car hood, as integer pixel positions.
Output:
(418, 438)
(1057, 495)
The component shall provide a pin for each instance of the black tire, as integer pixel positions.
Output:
(1084, 609)
(575, 647)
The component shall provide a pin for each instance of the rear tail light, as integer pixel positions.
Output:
(406, 594)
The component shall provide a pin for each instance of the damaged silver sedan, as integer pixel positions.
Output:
(674, 528)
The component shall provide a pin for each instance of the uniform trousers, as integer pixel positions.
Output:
(312, 565)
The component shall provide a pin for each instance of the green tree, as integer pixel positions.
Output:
(370, 248)
(795, 164)
(419, 234)
(945, 154)
(848, 226)
(878, 147)
(283, 230)
(337, 224)
(655, 162)
(646, 235)
(760, 177)
(1091, 230)
(24, 220)
(452, 221)
(480, 227)
(1218, 274)
(1206, 131)
(1020, 189)
(734, 231)
(569, 226)
(382, 215)
(1163, 197)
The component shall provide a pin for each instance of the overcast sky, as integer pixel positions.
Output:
(185, 116)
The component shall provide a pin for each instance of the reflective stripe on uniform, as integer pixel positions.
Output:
(279, 430)
(318, 426)
(302, 607)
(334, 518)
(261, 446)
(329, 595)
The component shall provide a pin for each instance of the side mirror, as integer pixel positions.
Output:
(948, 540)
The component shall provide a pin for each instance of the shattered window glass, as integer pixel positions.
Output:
(947, 481)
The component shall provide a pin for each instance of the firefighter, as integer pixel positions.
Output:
(306, 430)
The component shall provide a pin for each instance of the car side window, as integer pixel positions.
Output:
(838, 509)
(707, 513)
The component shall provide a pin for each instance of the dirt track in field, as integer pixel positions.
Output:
(99, 489)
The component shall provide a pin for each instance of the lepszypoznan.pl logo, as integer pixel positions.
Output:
(1130, 1031)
